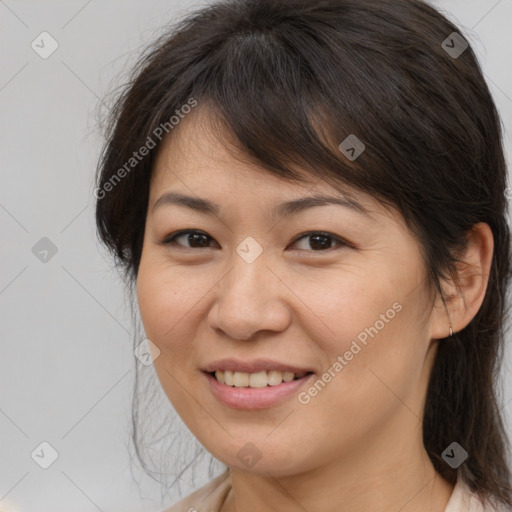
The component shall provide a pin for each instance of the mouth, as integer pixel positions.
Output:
(259, 379)
(257, 383)
(256, 390)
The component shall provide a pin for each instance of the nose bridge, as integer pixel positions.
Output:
(248, 282)
(249, 265)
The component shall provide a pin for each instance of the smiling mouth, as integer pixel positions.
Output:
(256, 380)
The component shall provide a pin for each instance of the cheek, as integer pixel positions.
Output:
(379, 374)
(168, 299)
(370, 331)
(346, 304)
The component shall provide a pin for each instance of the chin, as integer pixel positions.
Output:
(261, 456)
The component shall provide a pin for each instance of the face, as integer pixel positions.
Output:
(331, 295)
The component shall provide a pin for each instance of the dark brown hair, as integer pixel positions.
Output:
(290, 80)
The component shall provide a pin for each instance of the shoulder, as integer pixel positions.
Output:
(463, 499)
(208, 498)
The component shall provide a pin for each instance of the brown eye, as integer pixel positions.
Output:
(196, 239)
(320, 241)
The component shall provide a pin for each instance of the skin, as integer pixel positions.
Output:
(303, 306)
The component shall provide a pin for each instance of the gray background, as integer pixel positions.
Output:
(67, 366)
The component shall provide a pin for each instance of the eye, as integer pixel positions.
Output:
(318, 240)
(197, 239)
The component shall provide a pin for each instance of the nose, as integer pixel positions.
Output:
(250, 298)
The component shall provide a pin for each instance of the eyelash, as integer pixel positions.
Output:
(170, 240)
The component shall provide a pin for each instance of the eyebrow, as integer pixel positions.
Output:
(281, 210)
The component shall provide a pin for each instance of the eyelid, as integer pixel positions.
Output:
(340, 242)
(169, 239)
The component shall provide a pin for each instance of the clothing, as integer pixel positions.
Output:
(208, 498)
(211, 496)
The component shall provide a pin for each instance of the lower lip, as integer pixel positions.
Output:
(255, 398)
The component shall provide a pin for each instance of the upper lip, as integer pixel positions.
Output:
(253, 366)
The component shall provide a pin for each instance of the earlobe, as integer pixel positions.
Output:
(463, 299)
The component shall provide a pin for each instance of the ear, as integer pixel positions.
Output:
(462, 299)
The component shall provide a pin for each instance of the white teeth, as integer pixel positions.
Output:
(241, 379)
(255, 380)
(258, 380)
(228, 378)
(288, 376)
(274, 378)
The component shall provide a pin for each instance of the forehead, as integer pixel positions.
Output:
(204, 149)
(201, 152)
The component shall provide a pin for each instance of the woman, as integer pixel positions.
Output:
(310, 199)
